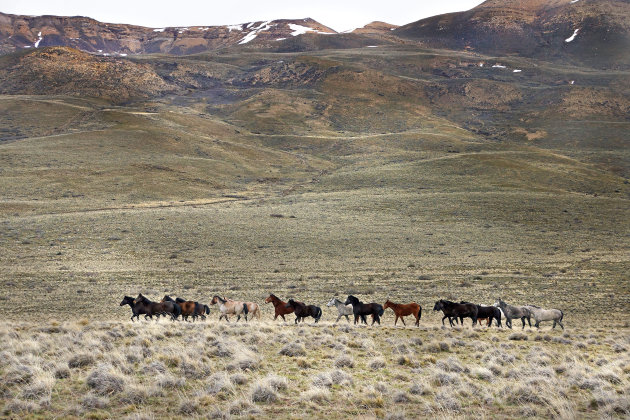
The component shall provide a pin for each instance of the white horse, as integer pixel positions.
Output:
(540, 315)
(344, 310)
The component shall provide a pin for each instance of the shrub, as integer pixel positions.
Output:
(80, 360)
(377, 363)
(293, 350)
(262, 392)
(344, 361)
(104, 381)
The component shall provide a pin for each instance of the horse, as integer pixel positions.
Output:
(514, 312)
(302, 311)
(539, 314)
(361, 309)
(230, 307)
(201, 310)
(252, 308)
(402, 310)
(488, 313)
(157, 308)
(343, 309)
(457, 310)
(136, 310)
(188, 307)
(282, 308)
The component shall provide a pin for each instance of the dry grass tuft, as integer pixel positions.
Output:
(293, 350)
(105, 380)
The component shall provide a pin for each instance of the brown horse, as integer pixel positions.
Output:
(282, 308)
(188, 307)
(150, 308)
(302, 311)
(402, 310)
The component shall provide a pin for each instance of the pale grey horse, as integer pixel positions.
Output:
(344, 310)
(514, 312)
(539, 314)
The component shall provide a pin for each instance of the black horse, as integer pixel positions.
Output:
(361, 310)
(456, 310)
(486, 312)
(151, 308)
(136, 310)
(302, 311)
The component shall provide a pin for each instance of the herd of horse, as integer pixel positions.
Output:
(352, 306)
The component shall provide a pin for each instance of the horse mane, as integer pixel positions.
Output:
(534, 306)
(220, 298)
(180, 300)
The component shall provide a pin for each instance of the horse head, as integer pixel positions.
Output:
(127, 300)
(331, 303)
(387, 304)
(438, 305)
(270, 298)
(351, 300)
(167, 298)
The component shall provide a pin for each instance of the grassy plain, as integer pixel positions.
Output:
(373, 181)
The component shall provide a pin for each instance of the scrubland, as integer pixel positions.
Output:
(116, 369)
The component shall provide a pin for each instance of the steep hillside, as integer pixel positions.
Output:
(591, 32)
(66, 71)
(24, 32)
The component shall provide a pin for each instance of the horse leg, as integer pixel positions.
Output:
(403, 321)
(417, 321)
(347, 318)
(537, 324)
(296, 319)
(283, 318)
(523, 319)
(356, 319)
(560, 322)
(395, 320)
(338, 318)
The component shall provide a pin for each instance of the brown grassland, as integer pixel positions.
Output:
(368, 182)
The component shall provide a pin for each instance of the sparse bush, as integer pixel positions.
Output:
(238, 379)
(377, 363)
(344, 361)
(400, 397)
(517, 336)
(417, 389)
(317, 394)
(446, 401)
(92, 402)
(438, 346)
(80, 361)
(105, 381)
(262, 392)
(293, 350)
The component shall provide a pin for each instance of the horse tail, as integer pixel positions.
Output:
(419, 311)
(319, 313)
(380, 311)
(245, 308)
(206, 309)
(561, 315)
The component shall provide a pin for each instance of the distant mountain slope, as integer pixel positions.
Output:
(25, 32)
(592, 32)
(67, 71)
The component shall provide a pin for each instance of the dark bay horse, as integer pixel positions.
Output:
(302, 311)
(486, 312)
(157, 308)
(282, 308)
(402, 310)
(136, 310)
(361, 310)
(456, 310)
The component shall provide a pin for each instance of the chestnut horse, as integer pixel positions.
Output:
(188, 307)
(402, 310)
(282, 308)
